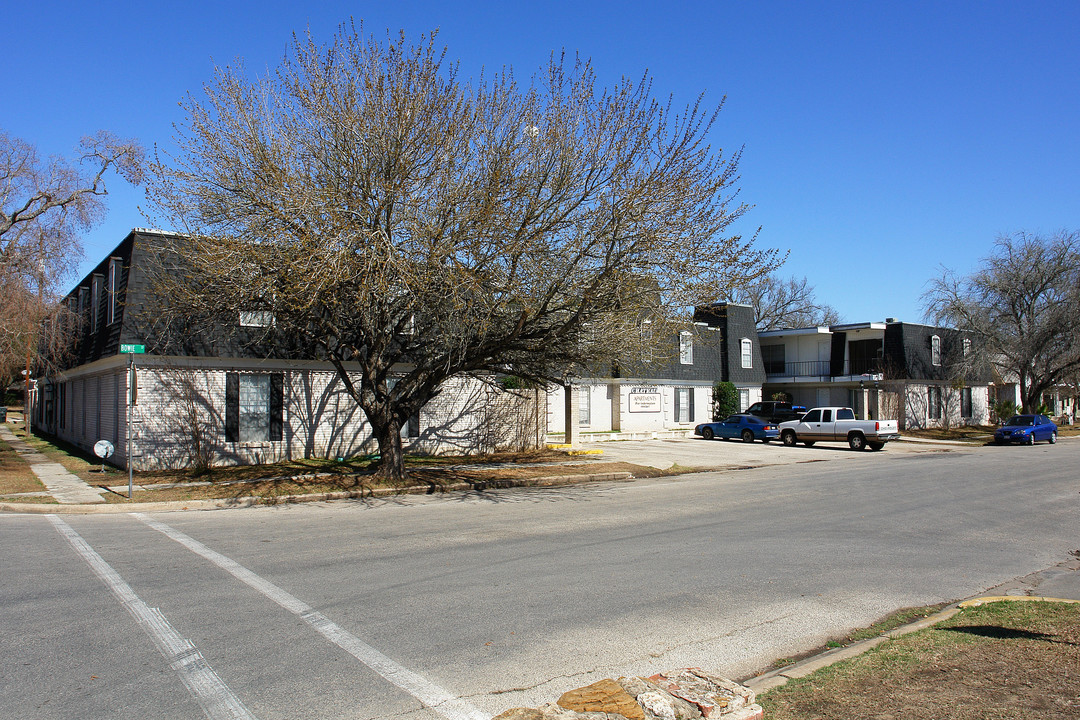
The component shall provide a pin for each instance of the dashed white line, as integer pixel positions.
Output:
(212, 694)
(437, 698)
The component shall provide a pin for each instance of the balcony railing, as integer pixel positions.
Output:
(820, 368)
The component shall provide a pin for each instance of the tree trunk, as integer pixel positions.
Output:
(387, 431)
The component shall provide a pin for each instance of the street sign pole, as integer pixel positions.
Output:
(131, 350)
(130, 403)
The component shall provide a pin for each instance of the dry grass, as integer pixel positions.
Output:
(270, 487)
(270, 482)
(995, 662)
(15, 474)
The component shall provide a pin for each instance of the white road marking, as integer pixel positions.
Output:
(442, 701)
(212, 694)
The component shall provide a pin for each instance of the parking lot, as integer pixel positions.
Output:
(720, 454)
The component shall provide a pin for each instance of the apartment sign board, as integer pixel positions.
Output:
(645, 399)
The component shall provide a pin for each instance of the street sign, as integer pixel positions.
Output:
(137, 349)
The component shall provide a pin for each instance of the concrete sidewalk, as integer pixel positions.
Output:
(68, 489)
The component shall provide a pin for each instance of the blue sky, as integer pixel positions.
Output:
(882, 140)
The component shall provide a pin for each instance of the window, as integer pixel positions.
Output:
(935, 351)
(686, 348)
(933, 402)
(812, 417)
(253, 407)
(967, 347)
(684, 405)
(744, 399)
(95, 302)
(772, 356)
(84, 294)
(965, 401)
(845, 414)
(826, 416)
(646, 340)
(584, 406)
(112, 289)
(256, 318)
(412, 429)
(747, 353)
(864, 356)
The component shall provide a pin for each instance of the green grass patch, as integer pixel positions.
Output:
(998, 661)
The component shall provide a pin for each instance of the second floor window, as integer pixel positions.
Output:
(256, 318)
(112, 289)
(686, 348)
(747, 353)
(935, 351)
(95, 302)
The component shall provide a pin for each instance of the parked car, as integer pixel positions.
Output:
(747, 427)
(1026, 429)
(838, 424)
(776, 411)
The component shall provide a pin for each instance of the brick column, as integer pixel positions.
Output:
(571, 410)
(616, 406)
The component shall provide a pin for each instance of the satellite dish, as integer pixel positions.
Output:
(103, 449)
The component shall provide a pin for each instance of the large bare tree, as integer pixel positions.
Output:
(1021, 305)
(780, 303)
(409, 227)
(45, 205)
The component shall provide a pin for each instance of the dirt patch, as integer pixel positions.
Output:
(1001, 661)
(424, 479)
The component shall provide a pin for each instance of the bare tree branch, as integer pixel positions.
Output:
(780, 304)
(45, 205)
(1021, 305)
(410, 227)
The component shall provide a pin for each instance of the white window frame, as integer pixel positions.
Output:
(256, 318)
(584, 405)
(744, 399)
(935, 350)
(112, 289)
(254, 407)
(746, 348)
(96, 282)
(686, 347)
(684, 405)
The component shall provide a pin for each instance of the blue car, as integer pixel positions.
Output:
(747, 427)
(1026, 429)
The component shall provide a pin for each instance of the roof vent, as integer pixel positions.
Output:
(891, 320)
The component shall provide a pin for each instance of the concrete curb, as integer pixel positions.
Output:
(244, 502)
(779, 677)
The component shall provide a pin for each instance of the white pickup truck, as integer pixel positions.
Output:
(838, 424)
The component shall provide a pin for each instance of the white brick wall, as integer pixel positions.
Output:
(176, 406)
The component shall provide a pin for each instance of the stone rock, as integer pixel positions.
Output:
(637, 687)
(689, 694)
(656, 704)
(520, 713)
(605, 696)
(551, 711)
(712, 695)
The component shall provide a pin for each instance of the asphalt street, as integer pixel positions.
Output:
(460, 606)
